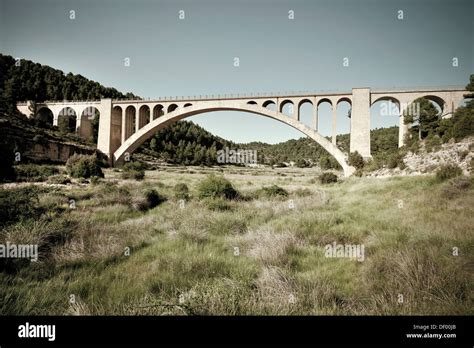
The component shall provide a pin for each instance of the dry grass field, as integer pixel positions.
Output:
(105, 250)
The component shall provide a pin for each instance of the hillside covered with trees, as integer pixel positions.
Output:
(26, 80)
(185, 143)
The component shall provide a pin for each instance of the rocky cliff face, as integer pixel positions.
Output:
(424, 162)
(35, 145)
(51, 151)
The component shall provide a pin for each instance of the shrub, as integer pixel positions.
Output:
(392, 162)
(108, 193)
(324, 162)
(273, 191)
(448, 171)
(34, 172)
(133, 170)
(181, 191)
(95, 180)
(374, 163)
(218, 204)
(84, 166)
(151, 198)
(133, 174)
(463, 154)
(328, 162)
(303, 192)
(463, 123)
(412, 144)
(301, 163)
(327, 178)
(432, 143)
(133, 165)
(356, 160)
(396, 160)
(216, 187)
(455, 187)
(18, 204)
(59, 179)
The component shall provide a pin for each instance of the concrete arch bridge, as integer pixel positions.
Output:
(126, 124)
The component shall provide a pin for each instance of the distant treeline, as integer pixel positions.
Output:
(186, 143)
(189, 144)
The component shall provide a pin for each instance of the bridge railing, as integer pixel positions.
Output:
(65, 101)
(237, 96)
(262, 95)
(290, 94)
(418, 88)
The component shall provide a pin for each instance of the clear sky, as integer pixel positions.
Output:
(170, 56)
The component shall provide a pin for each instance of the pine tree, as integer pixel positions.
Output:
(424, 122)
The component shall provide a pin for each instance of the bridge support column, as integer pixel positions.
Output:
(78, 123)
(56, 119)
(124, 126)
(334, 124)
(315, 116)
(30, 110)
(360, 122)
(104, 141)
(402, 130)
(405, 102)
(137, 119)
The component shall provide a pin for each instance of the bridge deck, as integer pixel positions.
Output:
(299, 94)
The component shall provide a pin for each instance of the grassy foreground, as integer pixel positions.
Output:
(261, 255)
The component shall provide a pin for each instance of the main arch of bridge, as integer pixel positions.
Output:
(183, 110)
(125, 124)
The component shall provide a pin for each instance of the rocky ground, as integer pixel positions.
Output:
(424, 162)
